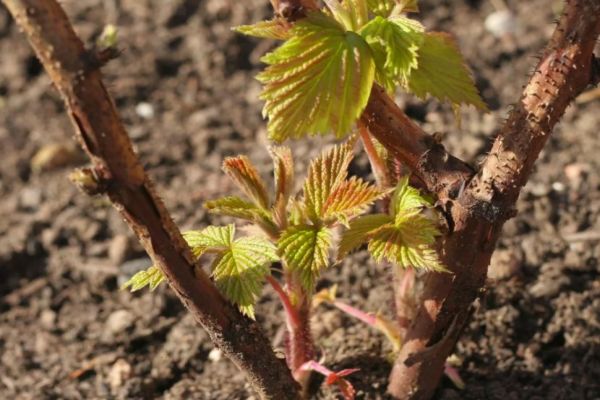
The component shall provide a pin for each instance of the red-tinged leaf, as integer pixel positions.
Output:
(325, 174)
(245, 175)
(283, 163)
(351, 198)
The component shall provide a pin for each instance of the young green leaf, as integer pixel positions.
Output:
(443, 73)
(305, 249)
(317, 81)
(151, 277)
(396, 245)
(212, 238)
(240, 266)
(247, 178)
(272, 29)
(352, 14)
(384, 8)
(360, 232)
(405, 237)
(395, 42)
(235, 207)
(239, 272)
(325, 174)
(407, 200)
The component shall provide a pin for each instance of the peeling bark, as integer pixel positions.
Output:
(119, 174)
(478, 214)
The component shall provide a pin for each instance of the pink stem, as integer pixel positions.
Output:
(299, 343)
(285, 300)
(312, 365)
(367, 318)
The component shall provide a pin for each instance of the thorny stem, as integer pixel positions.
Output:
(119, 173)
(480, 211)
(300, 343)
(477, 206)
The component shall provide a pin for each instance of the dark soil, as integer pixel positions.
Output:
(184, 86)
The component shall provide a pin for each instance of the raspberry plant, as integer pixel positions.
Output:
(296, 232)
(337, 66)
(319, 81)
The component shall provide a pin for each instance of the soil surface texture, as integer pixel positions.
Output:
(185, 87)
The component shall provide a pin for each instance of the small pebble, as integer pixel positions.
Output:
(215, 355)
(48, 319)
(501, 23)
(119, 373)
(30, 198)
(119, 321)
(144, 110)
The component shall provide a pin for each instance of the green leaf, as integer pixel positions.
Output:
(359, 232)
(407, 200)
(352, 14)
(246, 177)
(395, 43)
(352, 197)
(151, 277)
(384, 8)
(409, 240)
(276, 28)
(239, 271)
(405, 237)
(305, 250)
(395, 244)
(212, 238)
(317, 81)
(235, 207)
(442, 73)
(325, 174)
(381, 8)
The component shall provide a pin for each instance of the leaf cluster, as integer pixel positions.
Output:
(320, 79)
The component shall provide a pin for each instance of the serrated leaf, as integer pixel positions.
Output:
(239, 271)
(151, 277)
(409, 240)
(359, 232)
(305, 250)
(352, 14)
(317, 81)
(395, 245)
(443, 74)
(381, 8)
(395, 43)
(234, 207)
(214, 238)
(239, 208)
(352, 197)
(384, 8)
(325, 174)
(247, 178)
(272, 29)
(406, 200)
(283, 163)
